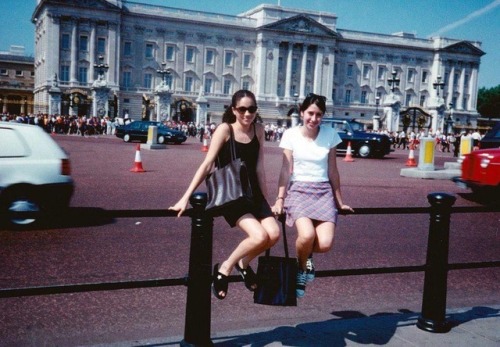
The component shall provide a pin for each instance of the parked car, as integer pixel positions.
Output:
(363, 144)
(481, 173)
(492, 138)
(35, 174)
(138, 131)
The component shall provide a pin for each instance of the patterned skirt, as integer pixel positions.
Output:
(313, 200)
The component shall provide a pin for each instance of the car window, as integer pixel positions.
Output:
(357, 126)
(339, 127)
(11, 144)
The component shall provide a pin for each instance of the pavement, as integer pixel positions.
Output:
(475, 326)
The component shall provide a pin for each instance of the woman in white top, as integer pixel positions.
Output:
(309, 185)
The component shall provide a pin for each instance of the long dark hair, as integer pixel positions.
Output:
(228, 116)
(318, 100)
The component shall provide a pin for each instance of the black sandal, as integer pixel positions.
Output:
(219, 283)
(249, 277)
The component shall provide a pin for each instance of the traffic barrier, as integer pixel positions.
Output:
(348, 155)
(411, 157)
(137, 162)
(204, 148)
(198, 280)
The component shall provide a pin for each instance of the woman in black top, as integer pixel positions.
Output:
(256, 219)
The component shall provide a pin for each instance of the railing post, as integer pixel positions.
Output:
(433, 318)
(198, 303)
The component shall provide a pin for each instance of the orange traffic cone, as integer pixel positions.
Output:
(411, 157)
(204, 148)
(348, 155)
(138, 162)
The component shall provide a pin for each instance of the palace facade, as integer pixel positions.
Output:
(280, 54)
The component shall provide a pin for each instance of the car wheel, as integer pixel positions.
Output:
(19, 201)
(161, 139)
(364, 151)
(126, 138)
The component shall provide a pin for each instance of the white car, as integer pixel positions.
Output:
(35, 174)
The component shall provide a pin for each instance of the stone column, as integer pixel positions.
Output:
(288, 78)
(74, 53)
(318, 67)
(303, 68)
(92, 50)
(201, 110)
(100, 104)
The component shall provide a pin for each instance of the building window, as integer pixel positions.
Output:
(188, 84)
(64, 73)
(210, 57)
(335, 69)
(280, 64)
(148, 80)
(246, 85)
(101, 45)
(309, 66)
(127, 79)
(127, 49)
(149, 53)
(464, 103)
(65, 43)
(169, 81)
(227, 86)
(347, 98)
(350, 69)
(408, 100)
(381, 72)
(366, 71)
(84, 43)
(190, 54)
(466, 81)
(208, 85)
(363, 96)
(425, 75)
(19, 73)
(422, 100)
(455, 79)
(247, 60)
(410, 76)
(228, 59)
(82, 75)
(169, 54)
(334, 94)
(4, 72)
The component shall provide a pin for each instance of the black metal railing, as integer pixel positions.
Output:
(199, 278)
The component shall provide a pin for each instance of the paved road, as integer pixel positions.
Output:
(95, 250)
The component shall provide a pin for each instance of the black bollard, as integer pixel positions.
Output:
(433, 314)
(198, 309)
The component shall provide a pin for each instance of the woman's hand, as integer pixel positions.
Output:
(344, 207)
(180, 206)
(277, 208)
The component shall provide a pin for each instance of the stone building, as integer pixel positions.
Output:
(180, 60)
(16, 82)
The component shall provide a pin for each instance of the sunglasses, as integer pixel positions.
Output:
(243, 109)
(313, 97)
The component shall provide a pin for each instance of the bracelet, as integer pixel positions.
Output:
(280, 198)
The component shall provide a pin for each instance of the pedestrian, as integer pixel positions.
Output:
(309, 186)
(256, 220)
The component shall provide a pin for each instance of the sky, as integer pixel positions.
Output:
(474, 20)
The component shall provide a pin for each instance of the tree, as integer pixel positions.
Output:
(488, 102)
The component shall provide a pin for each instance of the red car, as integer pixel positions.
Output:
(481, 173)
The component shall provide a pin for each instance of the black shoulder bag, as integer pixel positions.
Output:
(230, 184)
(277, 278)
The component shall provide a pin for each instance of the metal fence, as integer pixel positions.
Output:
(199, 278)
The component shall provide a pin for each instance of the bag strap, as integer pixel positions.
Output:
(232, 146)
(281, 218)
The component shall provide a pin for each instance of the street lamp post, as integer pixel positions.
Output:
(295, 114)
(376, 117)
(101, 68)
(438, 84)
(394, 81)
(164, 72)
(449, 120)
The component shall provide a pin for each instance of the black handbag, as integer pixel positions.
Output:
(230, 184)
(276, 278)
